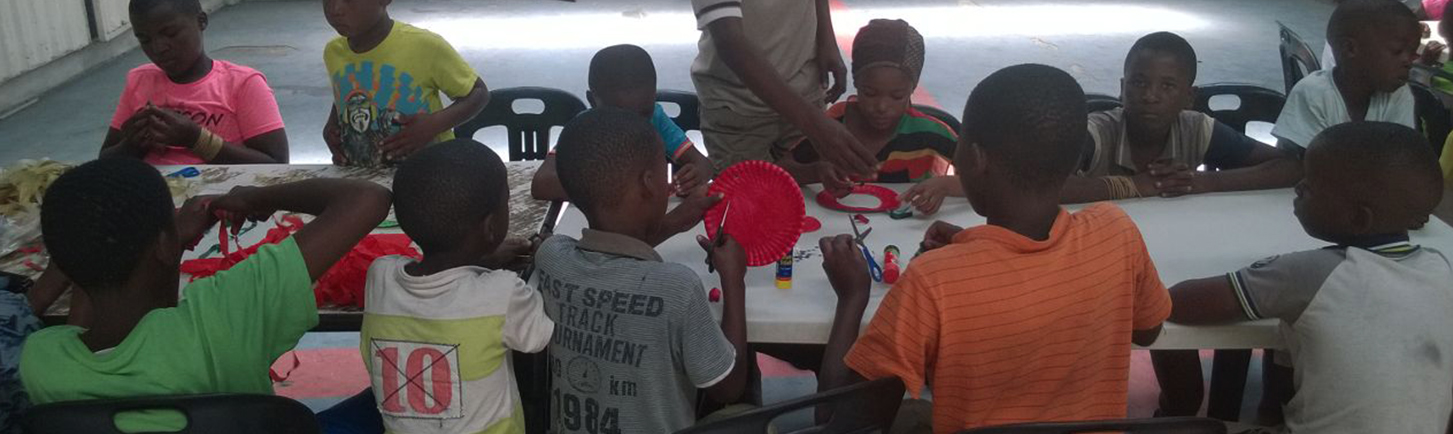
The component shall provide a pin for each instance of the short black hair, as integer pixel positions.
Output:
(1354, 18)
(600, 151)
(1166, 43)
(98, 219)
(445, 190)
(622, 67)
(138, 7)
(1385, 166)
(1031, 119)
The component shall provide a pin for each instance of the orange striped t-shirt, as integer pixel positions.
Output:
(1006, 329)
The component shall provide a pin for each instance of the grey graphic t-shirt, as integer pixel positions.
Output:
(634, 336)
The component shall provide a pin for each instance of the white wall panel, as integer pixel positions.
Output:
(33, 32)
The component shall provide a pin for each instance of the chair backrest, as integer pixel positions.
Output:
(1253, 103)
(211, 414)
(942, 116)
(690, 116)
(1433, 119)
(1097, 102)
(861, 408)
(1297, 58)
(529, 133)
(1161, 425)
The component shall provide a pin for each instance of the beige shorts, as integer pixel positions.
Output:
(732, 137)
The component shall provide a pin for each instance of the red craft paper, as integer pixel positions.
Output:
(766, 210)
(888, 199)
(811, 224)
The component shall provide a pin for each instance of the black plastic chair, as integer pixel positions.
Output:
(942, 116)
(1434, 118)
(1096, 102)
(690, 116)
(1254, 103)
(1297, 58)
(860, 408)
(1164, 425)
(212, 414)
(529, 133)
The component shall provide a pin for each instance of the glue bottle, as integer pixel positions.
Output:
(784, 271)
(890, 264)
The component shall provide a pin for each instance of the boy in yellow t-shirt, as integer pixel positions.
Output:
(387, 76)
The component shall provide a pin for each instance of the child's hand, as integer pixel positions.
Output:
(927, 196)
(726, 255)
(239, 206)
(172, 128)
(512, 254)
(194, 220)
(837, 183)
(1432, 53)
(688, 179)
(1171, 180)
(846, 268)
(938, 235)
(416, 131)
(333, 136)
(135, 133)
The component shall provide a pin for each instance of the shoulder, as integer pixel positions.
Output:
(239, 74)
(1192, 117)
(923, 122)
(335, 46)
(421, 36)
(557, 243)
(1316, 85)
(386, 264)
(143, 72)
(1105, 122)
(673, 274)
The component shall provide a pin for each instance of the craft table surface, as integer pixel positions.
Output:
(525, 214)
(1188, 237)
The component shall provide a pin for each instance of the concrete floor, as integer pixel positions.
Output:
(535, 42)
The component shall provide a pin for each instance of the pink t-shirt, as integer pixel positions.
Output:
(233, 102)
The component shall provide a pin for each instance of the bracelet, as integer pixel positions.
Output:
(208, 145)
(1121, 187)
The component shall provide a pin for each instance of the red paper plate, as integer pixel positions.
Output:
(888, 199)
(766, 210)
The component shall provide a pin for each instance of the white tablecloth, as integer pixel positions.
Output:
(1188, 237)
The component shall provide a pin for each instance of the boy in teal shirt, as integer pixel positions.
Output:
(109, 226)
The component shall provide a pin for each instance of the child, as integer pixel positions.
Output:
(109, 227)
(1375, 43)
(452, 199)
(636, 339)
(1365, 322)
(21, 304)
(910, 146)
(1154, 145)
(624, 77)
(1027, 318)
(186, 108)
(387, 76)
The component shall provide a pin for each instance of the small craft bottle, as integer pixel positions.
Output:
(784, 271)
(890, 265)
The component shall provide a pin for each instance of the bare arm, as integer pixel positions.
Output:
(1084, 189)
(346, 210)
(1210, 300)
(730, 261)
(1266, 168)
(546, 183)
(464, 108)
(266, 148)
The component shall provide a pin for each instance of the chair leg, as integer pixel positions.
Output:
(1228, 384)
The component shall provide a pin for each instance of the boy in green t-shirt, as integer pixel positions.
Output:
(387, 76)
(109, 226)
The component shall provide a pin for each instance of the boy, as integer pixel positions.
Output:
(109, 227)
(636, 338)
(1375, 43)
(1154, 144)
(1027, 318)
(1366, 322)
(909, 146)
(387, 76)
(452, 199)
(624, 77)
(187, 108)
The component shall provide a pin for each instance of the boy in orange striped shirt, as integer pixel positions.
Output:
(1027, 318)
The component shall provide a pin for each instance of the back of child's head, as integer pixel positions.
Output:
(1385, 167)
(891, 43)
(1362, 19)
(601, 152)
(624, 77)
(100, 218)
(1165, 44)
(139, 8)
(1030, 120)
(445, 191)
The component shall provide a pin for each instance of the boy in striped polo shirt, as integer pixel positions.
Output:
(437, 333)
(1027, 318)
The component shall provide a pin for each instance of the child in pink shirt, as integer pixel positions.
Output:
(186, 108)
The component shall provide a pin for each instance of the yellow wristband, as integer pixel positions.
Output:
(208, 145)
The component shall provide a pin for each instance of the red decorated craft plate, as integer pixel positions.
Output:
(887, 199)
(766, 210)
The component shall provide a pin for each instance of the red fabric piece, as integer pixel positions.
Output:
(888, 199)
(715, 295)
(281, 377)
(766, 210)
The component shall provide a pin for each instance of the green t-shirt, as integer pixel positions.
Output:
(222, 337)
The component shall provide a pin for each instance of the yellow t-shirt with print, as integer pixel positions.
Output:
(403, 75)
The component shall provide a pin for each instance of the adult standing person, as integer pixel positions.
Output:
(765, 70)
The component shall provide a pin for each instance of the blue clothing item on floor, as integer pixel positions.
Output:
(16, 322)
(355, 415)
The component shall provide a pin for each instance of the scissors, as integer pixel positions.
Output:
(873, 268)
(711, 267)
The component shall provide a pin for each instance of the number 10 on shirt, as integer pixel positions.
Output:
(416, 379)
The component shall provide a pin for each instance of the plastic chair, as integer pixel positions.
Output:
(690, 116)
(529, 133)
(1254, 103)
(212, 414)
(942, 116)
(1297, 58)
(860, 408)
(1166, 425)
(1096, 102)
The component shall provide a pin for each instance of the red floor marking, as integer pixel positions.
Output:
(323, 373)
(773, 368)
(845, 42)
